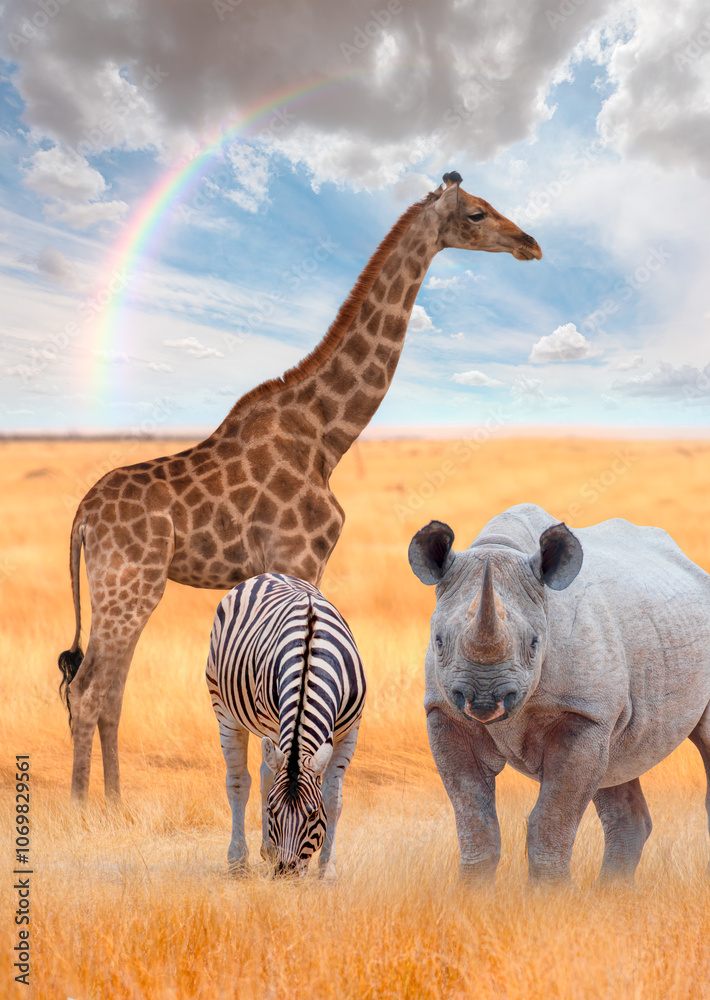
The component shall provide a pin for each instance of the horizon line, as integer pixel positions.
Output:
(391, 432)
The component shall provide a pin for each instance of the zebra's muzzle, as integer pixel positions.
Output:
(291, 869)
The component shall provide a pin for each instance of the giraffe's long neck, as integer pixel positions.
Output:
(334, 392)
(352, 382)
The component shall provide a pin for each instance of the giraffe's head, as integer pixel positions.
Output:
(470, 223)
(294, 808)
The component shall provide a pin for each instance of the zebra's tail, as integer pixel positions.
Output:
(70, 660)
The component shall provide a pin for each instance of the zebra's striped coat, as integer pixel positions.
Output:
(283, 665)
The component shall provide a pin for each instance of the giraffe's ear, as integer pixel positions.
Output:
(448, 200)
(273, 757)
(321, 758)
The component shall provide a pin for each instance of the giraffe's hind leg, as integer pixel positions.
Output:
(108, 732)
(701, 738)
(627, 825)
(96, 697)
(96, 691)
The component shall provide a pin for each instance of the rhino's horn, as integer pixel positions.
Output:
(486, 639)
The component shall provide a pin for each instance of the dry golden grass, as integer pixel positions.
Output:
(136, 904)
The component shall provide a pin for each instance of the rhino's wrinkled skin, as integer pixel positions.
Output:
(605, 639)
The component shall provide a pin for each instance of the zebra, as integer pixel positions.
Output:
(283, 665)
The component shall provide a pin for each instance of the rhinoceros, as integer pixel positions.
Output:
(581, 659)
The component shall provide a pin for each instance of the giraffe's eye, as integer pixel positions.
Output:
(477, 216)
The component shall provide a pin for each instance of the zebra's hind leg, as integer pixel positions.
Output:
(333, 800)
(267, 780)
(234, 740)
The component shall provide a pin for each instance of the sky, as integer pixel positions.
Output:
(190, 188)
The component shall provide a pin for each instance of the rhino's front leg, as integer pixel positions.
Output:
(469, 779)
(575, 759)
(627, 826)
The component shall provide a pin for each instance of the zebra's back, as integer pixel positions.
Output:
(256, 662)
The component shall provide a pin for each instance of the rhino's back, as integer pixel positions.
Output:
(642, 551)
(627, 558)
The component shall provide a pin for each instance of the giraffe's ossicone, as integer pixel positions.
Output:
(254, 497)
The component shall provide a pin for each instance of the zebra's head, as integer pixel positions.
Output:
(294, 807)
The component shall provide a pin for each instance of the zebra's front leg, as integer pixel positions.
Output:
(234, 740)
(267, 780)
(333, 800)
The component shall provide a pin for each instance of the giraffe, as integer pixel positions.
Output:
(254, 496)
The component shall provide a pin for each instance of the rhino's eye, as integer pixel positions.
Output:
(439, 641)
(534, 642)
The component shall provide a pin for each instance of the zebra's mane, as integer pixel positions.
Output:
(292, 768)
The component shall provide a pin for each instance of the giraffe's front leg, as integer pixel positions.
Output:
(333, 800)
(234, 740)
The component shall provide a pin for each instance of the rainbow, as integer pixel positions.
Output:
(143, 232)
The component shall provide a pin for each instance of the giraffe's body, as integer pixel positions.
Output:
(254, 497)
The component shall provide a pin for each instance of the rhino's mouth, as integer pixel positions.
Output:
(499, 712)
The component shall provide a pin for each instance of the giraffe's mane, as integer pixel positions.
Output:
(346, 313)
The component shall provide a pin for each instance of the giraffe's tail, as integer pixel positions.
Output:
(70, 659)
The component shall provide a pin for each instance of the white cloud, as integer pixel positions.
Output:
(54, 266)
(155, 367)
(84, 216)
(74, 187)
(475, 378)
(170, 72)
(660, 74)
(457, 336)
(57, 173)
(149, 75)
(629, 364)
(194, 348)
(435, 282)
(452, 282)
(251, 171)
(686, 382)
(565, 343)
(420, 320)
(529, 393)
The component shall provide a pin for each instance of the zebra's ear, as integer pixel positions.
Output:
(273, 757)
(321, 758)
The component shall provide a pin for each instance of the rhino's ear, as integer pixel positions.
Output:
(430, 552)
(273, 757)
(559, 558)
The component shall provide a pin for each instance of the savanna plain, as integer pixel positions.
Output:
(135, 902)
